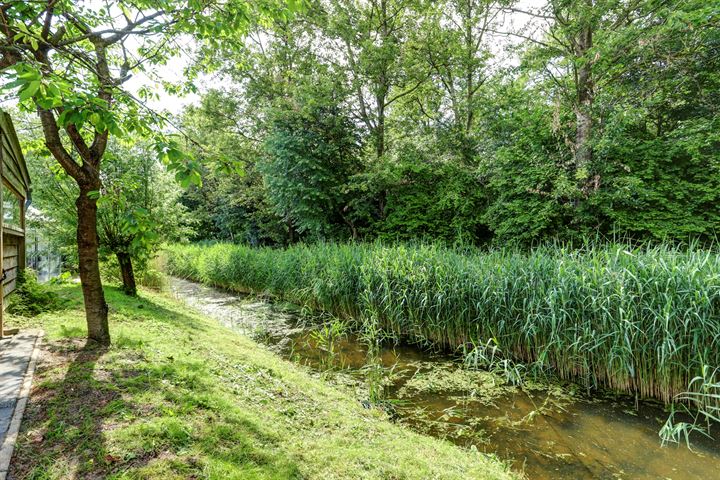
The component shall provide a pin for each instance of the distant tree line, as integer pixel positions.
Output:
(400, 119)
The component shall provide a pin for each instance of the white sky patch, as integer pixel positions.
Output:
(172, 72)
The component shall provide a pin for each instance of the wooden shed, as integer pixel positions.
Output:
(15, 199)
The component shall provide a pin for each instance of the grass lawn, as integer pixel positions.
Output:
(179, 396)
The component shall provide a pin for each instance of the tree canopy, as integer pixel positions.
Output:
(478, 121)
(68, 60)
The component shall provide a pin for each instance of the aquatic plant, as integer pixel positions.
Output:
(325, 337)
(487, 356)
(376, 377)
(640, 320)
(701, 404)
(327, 334)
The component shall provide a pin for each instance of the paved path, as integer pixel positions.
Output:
(18, 355)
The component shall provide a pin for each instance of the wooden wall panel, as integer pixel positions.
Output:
(13, 176)
(10, 251)
(8, 288)
(10, 261)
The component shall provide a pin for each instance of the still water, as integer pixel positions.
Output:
(543, 431)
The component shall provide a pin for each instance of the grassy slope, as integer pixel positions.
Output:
(179, 396)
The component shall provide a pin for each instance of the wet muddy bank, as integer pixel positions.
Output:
(546, 431)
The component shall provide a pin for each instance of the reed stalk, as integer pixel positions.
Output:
(645, 321)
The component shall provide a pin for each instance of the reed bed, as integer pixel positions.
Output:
(644, 321)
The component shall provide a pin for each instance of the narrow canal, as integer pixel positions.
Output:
(544, 431)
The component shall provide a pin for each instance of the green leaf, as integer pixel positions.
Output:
(30, 90)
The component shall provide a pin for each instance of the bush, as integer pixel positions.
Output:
(152, 278)
(31, 298)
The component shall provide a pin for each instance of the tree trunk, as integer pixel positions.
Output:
(291, 231)
(583, 109)
(380, 133)
(128, 275)
(583, 133)
(96, 310)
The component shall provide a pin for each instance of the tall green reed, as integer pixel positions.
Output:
(640, 320)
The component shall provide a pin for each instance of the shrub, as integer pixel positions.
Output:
(146, 273)
(31, 298)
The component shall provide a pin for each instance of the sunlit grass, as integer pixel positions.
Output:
(179, 396)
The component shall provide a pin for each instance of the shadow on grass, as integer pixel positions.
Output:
(63, 431)
(119, 412)
(135, 308)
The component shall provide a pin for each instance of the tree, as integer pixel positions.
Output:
(137, 209)
(453, 41)
(606, 139)
(68, 62)
(372, 41)
(606, 123)
(137, 206)
(231, 204)
(658, 148)
(578, 44)
(312, 151)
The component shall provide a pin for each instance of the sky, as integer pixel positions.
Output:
(172, 72)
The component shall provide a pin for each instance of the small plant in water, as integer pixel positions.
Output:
(377, 378)
(487, 356)
(326, 337)
(376, 374)
(261, 334)
(701, 403)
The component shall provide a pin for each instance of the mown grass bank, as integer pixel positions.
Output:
(643, 321)
(178, 396)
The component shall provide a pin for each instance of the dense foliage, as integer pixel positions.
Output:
(311, 156)
(640, 320)
(600, 118)
(30, 298)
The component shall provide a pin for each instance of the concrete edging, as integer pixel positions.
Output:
(6, 450)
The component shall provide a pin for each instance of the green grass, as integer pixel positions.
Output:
(179, 396)
(644, 321)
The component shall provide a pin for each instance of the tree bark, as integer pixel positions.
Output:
(584, 125)
(291, 231)
(380, 128)
(96, 309)
(583, 109)
(127, 273)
